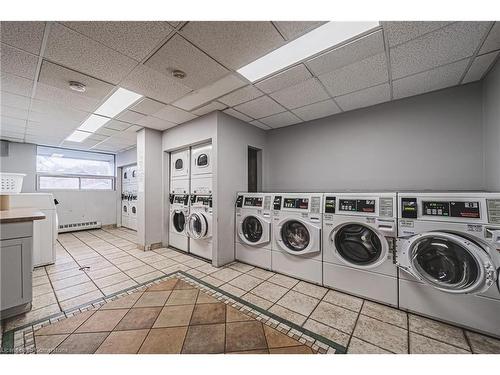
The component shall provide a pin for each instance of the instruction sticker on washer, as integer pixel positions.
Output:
(406, 223)
(474, 228)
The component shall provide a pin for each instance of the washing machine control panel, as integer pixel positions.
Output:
(297, 203)
(357, 205)
(330, 205)
(277, 202)
(253, 202)
(466, 210)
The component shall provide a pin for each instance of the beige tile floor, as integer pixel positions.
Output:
(360, 325)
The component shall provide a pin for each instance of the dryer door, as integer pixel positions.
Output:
(254, 230)
(449, 262)
(359, 245)
(197, 225)
(178, 221)
(297, 237)
(201, 160)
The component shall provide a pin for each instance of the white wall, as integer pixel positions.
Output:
(491, 118)
(233, 138)
(126, 157)
(21, 159)
(431, 141)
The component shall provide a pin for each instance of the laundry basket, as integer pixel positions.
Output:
(11, 183)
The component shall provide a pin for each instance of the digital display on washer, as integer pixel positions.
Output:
(299, 203)
(435, 208)
(409, 208)
(253, 201)
(179, 199)
(357, 205)
(329, 205)
(468, 210)
(205, 200)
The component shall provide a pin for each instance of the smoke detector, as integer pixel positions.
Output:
(77, 86)
(178, 74)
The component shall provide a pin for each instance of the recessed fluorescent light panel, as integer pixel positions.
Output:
(78, 136)
(315, 41)
(93, 123)
(117, 102)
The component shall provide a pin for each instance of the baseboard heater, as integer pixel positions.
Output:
(79, 226)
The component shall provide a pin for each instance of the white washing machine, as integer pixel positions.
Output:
(253, 229)
(129, 197)
(359, 236)
(179, 214)
(449, 254)
(296, 242)
(201, 169)
(199, 226)
(179, 172)
(132, 218)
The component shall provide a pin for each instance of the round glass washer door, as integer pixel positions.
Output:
(251, 230)
(295, 236)
(359, 245)
(451, 263)
(179, 221)
(197, 225)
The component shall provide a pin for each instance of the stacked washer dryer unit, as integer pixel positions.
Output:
(359, 236)
(296, 241)
(129, 197)
(199, 225)
(253, 229)
(179, 199)
(449, 250)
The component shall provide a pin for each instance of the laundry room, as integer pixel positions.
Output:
(239, 185)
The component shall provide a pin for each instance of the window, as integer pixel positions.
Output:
(63, 169)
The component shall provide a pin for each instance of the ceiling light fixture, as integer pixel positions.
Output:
(93, 123)
(77, 86)
(315, 41)
(78, 136)
(178, 74)
(116, 103)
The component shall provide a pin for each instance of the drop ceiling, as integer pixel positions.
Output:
(393, 61)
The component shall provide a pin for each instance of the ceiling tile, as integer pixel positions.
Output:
(147, 106)
(479, 67)
(213, 106)
(284, 79)
(179, 54)
(13, 100)
(364, 98)
(58, 76)
(131, 116)
(12, 121)
(356, 50)
(492, 42)
(293, 29)
(259, 124)
(117, 125)
(240, 96)
(155, 123)
(133, 128)
(106, 131)
(260, 107)
(359, 75)
(13, 112)
(451, 43)
(317, 110)
(25, 35)
(72, 99)
(134, 39)
(281, 119)
(173, 114)
(17, 62)
(153, 84)
(202, 96)
(54, 111)
(16, 85)
(402, 31)
(238, 115)
(5, 134)
(75, 51)
(435, 79)
(307, 92)
(233, 44)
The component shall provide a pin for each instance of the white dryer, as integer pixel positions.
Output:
(199, 226)
(179, 214)
(201, 169)
(179, 172)
(359, 235)
(132, 218)
(253, 229)
(296, 243)
(449, 250)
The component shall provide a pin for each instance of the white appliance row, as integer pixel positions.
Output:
(190, 227)
(129, 197)
(435, 254)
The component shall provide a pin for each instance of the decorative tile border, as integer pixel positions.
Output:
(21, 339)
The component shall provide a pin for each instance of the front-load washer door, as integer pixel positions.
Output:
(178, 221)
(449, 262)
(197, 225)
(254, 230)
(298, 237)
(359, 245)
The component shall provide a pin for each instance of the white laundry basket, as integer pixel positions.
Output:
(11, 183)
